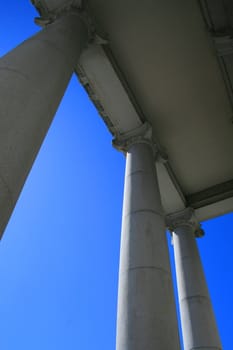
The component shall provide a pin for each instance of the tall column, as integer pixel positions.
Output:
(146, 317)
(33, 79)
(197, 318)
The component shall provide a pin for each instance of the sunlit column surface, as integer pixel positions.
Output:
(197, 318)
(33, 79)
(146, 310)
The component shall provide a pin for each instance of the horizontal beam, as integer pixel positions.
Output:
(211, 195)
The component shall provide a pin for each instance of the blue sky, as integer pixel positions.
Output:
(59, 254)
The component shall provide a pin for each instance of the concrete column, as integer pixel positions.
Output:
(197, 318)
(146, 317)
(33, 79)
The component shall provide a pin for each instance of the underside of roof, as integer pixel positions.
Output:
(170, 63)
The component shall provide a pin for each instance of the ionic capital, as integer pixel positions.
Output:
(143, 134)
(182, 218)
(48, 16)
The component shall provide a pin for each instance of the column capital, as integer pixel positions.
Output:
(48, 16)
(142, 134)
(184, 217)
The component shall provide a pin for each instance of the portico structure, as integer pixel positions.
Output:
(163, 86)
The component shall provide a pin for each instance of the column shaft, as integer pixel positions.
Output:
(33, 79)
(197, 318)
(146, 309)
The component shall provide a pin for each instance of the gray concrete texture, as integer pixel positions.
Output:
(33, 79)
(197, 318)
(146, 310)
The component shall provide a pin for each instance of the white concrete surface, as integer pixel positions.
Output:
(197, 317)
(146, 309)
(33, 79)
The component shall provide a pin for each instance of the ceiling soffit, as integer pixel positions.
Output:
(219, 24)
